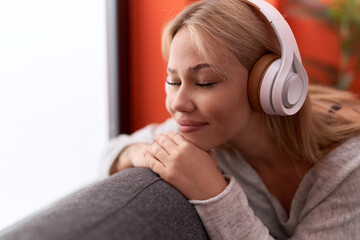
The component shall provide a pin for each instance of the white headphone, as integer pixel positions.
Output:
(278, 86)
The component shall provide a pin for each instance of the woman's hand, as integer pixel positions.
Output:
(131, 156)
(194, 172)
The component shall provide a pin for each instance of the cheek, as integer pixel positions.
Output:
(231, 109)
(168, 102)
(227, 103)
(224, 109)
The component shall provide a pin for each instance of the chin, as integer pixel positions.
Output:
(197, 141)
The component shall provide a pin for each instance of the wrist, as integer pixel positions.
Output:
(124, 160)
(113, 167)
(217, 189)
(211, 190)
(230, 188)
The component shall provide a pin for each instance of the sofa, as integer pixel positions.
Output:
(132, 204)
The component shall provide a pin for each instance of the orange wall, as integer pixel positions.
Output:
(147, 71)
(319, 45)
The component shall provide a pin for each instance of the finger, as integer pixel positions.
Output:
(153, 163)
(177, 138)
(158, 151)
(166, 142)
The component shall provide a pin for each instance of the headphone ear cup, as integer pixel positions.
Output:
(256, 78)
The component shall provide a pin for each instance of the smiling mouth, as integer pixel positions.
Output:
(190, 126)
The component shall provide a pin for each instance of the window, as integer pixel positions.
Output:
(53, 101)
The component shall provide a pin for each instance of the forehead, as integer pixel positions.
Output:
(182, 47)
(183, 53)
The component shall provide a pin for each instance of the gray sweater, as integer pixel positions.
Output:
(325, 206)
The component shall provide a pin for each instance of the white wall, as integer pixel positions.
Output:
(53, 101)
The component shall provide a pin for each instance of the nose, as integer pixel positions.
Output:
(183, 100)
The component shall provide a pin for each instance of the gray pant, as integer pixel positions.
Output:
(132, 204)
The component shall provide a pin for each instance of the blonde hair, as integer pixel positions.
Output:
(328, 118)
(233, 25)
(229, 25)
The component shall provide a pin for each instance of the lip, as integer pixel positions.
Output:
(187, 126)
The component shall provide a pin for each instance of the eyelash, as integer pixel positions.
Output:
(203, 85)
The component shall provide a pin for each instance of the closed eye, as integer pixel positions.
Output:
(173, 83)
(209, 84)
(197, 84)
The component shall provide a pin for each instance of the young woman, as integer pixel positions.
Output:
(249, 174)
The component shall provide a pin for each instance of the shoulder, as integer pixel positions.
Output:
(336, 176)
(328, 198)
(341, 162)
(344, 159)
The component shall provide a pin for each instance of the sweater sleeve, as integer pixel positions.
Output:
(144, 135)
(228, 215)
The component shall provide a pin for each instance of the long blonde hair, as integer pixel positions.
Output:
(324, 121)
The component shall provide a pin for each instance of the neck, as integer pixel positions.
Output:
(273, 165)
(259, 148)
(255, 144)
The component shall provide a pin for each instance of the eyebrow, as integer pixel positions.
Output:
(192, 69)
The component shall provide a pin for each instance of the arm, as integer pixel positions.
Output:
(109, 161)
(227, 214)
(129, 157)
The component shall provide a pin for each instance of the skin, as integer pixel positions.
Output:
(210, 111)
